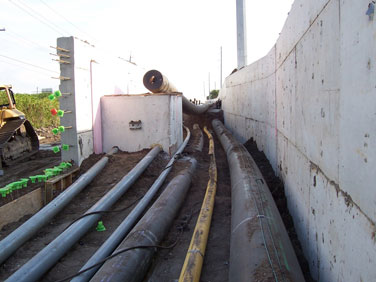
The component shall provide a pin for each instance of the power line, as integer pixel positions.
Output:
(26, 63)
(30, 14)
(20, 37)
(43, 17)
(63, 17)
(34, 71)
(49, 22)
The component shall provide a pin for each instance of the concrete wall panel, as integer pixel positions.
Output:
(358, 110)
(164, 128)
(303, 13)
(314, 116)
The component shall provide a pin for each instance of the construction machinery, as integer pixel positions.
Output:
(18, 139)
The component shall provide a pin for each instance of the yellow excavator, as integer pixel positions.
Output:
(18, 139)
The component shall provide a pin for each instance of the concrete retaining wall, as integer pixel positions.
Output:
(310, 106)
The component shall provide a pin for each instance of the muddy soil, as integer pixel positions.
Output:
(277, 189)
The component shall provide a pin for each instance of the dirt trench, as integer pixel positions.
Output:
(167, 263)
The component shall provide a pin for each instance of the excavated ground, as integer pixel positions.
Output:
(167, 263)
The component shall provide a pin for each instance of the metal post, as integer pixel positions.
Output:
(241, 28)
(221, 70)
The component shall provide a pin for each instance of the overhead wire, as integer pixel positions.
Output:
(66, 19)
(24, 39)
(43, 17)
(45, 21)
(30, 64)
(30, 14)
(31, 70)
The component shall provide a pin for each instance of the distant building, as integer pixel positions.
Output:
(47, 90)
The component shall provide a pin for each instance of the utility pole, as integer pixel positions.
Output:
(209, 83)
(220, 71)
(241, 29)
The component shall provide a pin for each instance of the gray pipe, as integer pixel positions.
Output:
(46, 258)
(260, 248)
(156, 82)
(23, 233)
(150, 230)
(123, 229)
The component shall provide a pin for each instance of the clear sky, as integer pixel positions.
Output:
(182, 39)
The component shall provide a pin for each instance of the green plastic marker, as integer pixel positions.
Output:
(62, 166)
(24, 182)
(51, 97)
(57, 93)
(55, 131)
(56, 149)
(42, 178)
(48, 170)
(57, 170)
(60, 113)
(65, 147)
(33, 178)
(3, 192)
(100, 226)
(10, 188)
(49, 175)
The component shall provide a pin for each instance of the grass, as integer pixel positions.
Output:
(37, 109)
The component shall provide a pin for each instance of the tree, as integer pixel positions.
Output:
(213, 94)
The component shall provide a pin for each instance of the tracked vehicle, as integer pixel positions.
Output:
(18, 139)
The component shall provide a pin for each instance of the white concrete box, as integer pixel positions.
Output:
(136, 122)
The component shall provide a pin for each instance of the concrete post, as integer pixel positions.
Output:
(75, 79)
(241, 29)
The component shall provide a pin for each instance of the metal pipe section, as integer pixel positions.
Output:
(123, 229)
(195, 255)
(150, 230)
(260, 247)
(46, 258)
(23, 233)
(156, 82)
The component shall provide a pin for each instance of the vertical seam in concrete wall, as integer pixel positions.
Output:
(275, 110)
(303, 35)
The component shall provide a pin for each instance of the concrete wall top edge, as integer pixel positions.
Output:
(144, 94)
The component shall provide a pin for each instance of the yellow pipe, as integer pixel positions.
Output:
(191, 270)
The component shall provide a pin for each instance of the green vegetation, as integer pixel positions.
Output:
(213, 94)
(37, 109)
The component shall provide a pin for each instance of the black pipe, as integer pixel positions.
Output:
(260, 248)
(150, 230)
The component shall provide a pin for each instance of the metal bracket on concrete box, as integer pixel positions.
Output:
(135, 124)
(56, 185)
